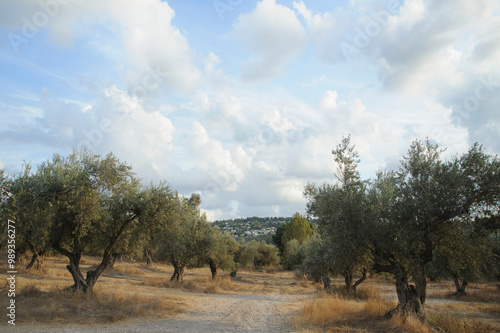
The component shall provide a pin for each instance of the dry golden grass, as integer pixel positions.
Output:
(363, 312)
(408, 324)
(338, 312)
(133, 291)
(130, 291)
(484, 293)
(197, 284)
(103, 306)
(456, 324)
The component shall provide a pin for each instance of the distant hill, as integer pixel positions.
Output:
(252, 228)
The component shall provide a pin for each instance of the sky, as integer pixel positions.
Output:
(242, 101)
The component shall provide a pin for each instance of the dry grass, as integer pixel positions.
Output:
(408, 324)
(197, 284)
(337, 312)
(483, 293)
(133, 291)
(456, 324)
(363, 312)
(104, 306)
(129, 291)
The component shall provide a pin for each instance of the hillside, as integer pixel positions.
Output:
(252, 228)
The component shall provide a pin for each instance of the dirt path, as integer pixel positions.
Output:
(211, 313)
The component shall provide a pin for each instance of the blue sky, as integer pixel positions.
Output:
(242, 101)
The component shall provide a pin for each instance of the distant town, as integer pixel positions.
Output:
(252, 228)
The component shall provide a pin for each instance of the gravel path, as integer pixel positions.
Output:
(209, 313)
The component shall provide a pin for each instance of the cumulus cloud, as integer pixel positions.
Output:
(149, 40)
(273, 35)
(325, 31)
(115, 122)
(422, 48)
(422, 69)
(136, 133)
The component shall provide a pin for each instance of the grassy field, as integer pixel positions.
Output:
(478, 312)
(134, 292)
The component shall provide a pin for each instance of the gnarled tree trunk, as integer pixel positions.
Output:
(148, 258)
(86, 284)
(213, 269)
(178, 270)
(420, 277)
(35, 259)
(348, 281)
(460, 288)
(327, 282)
(348, 277)
(408, 298)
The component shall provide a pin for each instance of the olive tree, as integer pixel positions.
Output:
(25, 205)
(343, 218)
(186, 240)
(395, 223)
(94, 201)
(468, 256)
(430, 197)
(221, 251)
(317, 263)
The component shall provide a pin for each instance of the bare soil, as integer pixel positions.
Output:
(208, 313)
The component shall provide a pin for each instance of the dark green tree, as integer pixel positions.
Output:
(297, 228)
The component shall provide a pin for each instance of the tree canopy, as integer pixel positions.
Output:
(400, 221)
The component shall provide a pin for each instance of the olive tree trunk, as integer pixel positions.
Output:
(420, 277)
(36, 258)
(460, 288)
(327, 282)
(213, 269)
(86, 284)
(408, 298)
(178, 270)
(348, 278)
(148, 258)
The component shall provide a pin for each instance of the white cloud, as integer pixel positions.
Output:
(324, 31)
(248, 149)
(429, 51)
(149, 40)
(273, 35)
(137, 134)
(212, 159)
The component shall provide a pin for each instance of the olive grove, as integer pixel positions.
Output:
(91, 204)
(399, 223)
